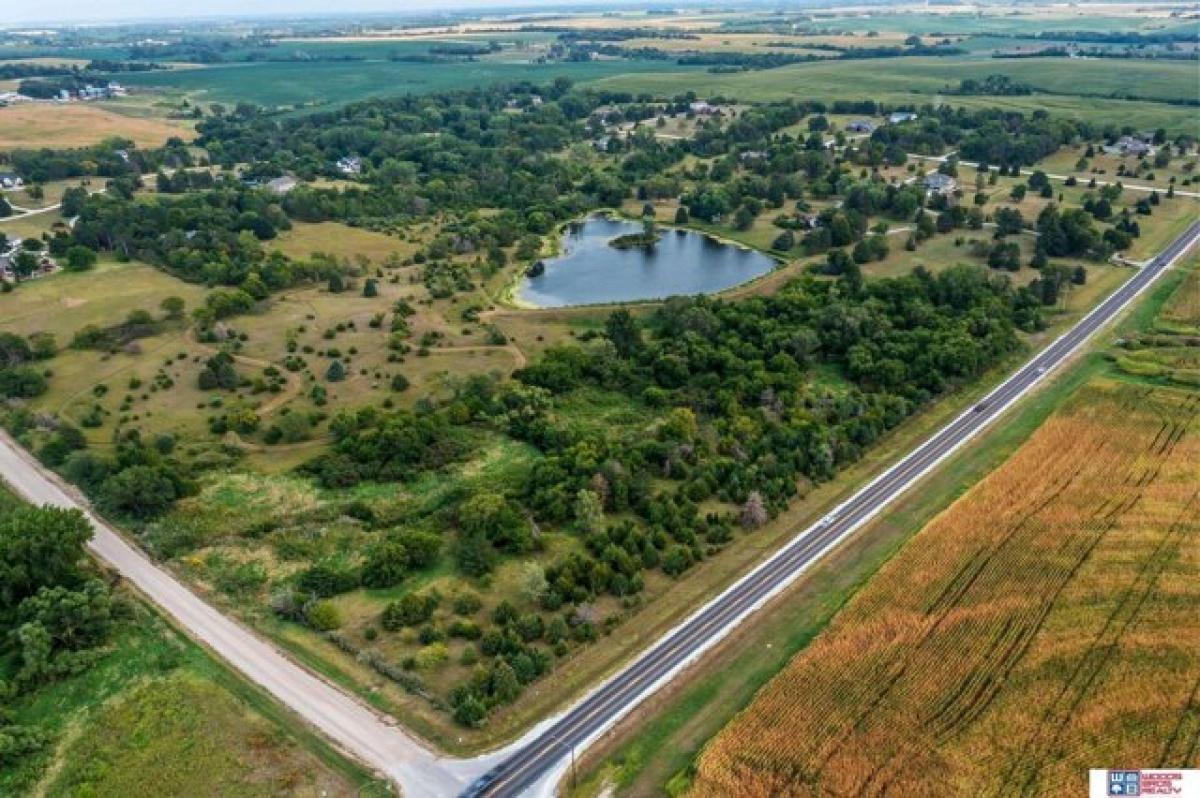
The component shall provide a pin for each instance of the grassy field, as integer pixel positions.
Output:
(156, 715)
(1040, 628)
(37, 125)
(1080, 88)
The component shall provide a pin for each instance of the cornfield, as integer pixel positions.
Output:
(1183, 308)
(1043, 624)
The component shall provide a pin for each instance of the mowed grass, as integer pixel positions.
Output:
(1040, 625)
(1081, 88)
(38, 125)
(338, 239)
(64, 302)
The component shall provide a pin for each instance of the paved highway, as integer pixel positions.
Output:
(532, 764)
(536, 765)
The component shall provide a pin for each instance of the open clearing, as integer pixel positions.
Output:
(1037, 627)
(37, 125)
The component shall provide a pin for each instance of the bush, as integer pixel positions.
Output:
(322, 616)
(412, 609)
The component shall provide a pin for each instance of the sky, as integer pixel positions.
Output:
(81, 11)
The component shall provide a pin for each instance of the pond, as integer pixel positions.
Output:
(682, 262)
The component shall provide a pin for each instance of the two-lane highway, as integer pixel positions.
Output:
(535, 765)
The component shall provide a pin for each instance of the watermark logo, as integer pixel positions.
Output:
(1124, 782)
(1128, 782)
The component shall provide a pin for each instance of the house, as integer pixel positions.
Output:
(8, 180)
(702, 108)
(860, 126)
(282, 185)
(753, 155)
(12, 98)
(810, 221)
(350, 165)
(1129, 145)
(901, 116)
(601, 144)
(938, 183)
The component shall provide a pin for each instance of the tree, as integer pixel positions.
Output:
(386, 564)
(411, 609)
(754, 512)
(74, 619)
(371, 288)
(141, 491)
(323, 616)
(39, 547)
(681, 215)
(173, 306)
(743, 218)
(589, 512)
(21, 382)
(80, 259)
(24, 263)
(497, 520)
(336, 372)
(14, 350)
(624, 333)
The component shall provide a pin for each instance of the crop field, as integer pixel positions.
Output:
(1039, 626)
(924, 80)
(334, 82)
(1182, 312)
(34, 125)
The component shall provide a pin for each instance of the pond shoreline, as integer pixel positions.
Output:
(555, 247)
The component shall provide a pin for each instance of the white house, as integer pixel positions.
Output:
(938, 183)
(901, 116)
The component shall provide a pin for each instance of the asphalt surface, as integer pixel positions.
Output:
(534, 764)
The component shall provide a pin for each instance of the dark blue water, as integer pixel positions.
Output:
(683, 262)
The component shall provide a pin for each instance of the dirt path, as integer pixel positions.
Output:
(291, 387)
(512, 349)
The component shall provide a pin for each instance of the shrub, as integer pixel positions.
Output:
(322, 616)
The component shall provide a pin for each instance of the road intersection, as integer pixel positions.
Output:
(535, 763)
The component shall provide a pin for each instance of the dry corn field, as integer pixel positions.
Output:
(1043, 624)
(1183, 308)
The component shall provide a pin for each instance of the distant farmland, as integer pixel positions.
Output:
(1042, 625)
(297, 83)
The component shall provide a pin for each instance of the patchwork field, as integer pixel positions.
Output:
(1038, 627)
(35, 125)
